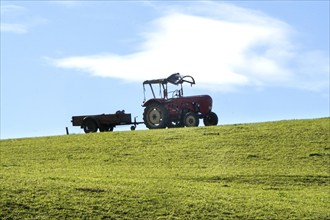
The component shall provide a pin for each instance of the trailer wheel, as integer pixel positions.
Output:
(105, 128)
(191, 119)
(210, 119)
(89, 125)
(155, 116)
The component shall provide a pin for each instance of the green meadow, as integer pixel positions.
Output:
(271, 170)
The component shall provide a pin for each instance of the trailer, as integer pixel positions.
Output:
(104, 122)
(167, 110)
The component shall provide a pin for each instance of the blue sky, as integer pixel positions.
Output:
(259, 60)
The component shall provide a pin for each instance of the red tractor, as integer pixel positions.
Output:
(172, 108)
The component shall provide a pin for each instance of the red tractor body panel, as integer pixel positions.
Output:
(201, 104)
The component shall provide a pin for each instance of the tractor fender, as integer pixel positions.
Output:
(151, 101)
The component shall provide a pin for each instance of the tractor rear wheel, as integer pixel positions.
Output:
(155, 116)
(191, 119)
(210, 119)
(89, 125)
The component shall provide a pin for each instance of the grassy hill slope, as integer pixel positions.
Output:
(275, 170)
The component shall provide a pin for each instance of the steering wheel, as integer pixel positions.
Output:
(176, 93)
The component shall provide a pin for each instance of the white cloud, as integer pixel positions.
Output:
(223, 46)
(13, 28)
(9, 12)
(16, 19)
(66, 3)
(12, 9)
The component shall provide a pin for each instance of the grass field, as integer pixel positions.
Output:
(273, 170)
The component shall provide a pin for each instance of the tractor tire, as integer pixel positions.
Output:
(155, 116)
(191, 119)
(89, 125)
(210, 119)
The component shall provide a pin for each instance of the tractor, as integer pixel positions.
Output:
(173, 109)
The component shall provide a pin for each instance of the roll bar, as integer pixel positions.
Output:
(175, 79)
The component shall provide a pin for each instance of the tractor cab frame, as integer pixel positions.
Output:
(164, 93)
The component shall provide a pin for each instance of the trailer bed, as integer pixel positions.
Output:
(103, 122)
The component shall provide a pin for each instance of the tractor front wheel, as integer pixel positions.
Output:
(210, 119)
(155, 116)
(191, 119)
